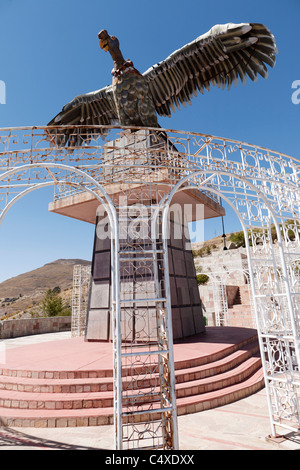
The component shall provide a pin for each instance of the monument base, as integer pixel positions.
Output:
(137, 280)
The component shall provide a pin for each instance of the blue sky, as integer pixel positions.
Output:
(50, 53)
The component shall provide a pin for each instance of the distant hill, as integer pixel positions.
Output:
(24, 293)
(27, 289)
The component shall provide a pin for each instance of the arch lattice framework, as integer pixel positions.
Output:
(260, 185)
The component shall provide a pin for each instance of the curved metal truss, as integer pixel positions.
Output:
(260, 185)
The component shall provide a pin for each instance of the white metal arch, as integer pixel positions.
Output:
(106, 201)
(40, 186)
(164, 206)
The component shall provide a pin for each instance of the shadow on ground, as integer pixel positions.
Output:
(13, 438)
(293, 437)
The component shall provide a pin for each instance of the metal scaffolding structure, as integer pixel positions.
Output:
(260, 185)
(220, 302)
(81, 284)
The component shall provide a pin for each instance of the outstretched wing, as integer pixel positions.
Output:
(91, 109)
(222, 56)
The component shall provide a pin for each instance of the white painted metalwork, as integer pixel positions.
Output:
(144, 381)
(80, 291)
(260, 185)
(220, 303)
(220, 279)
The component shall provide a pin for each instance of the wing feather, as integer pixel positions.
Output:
(90, 109)
(224, 55)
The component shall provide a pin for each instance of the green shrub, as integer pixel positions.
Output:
(205, 250)
(238, 238)
(202, 279)
(53, 305)
(208, 250)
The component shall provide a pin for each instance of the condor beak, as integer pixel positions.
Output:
(103, 44)
(103, 40)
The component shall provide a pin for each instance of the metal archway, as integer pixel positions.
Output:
(280, 350)
(262, 186)
(104, 200)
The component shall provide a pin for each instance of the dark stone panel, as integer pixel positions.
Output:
(176, 235)
(198, 319)
(100, 294)
(173, 289)
(183, 294)
(102, 232)
(178, 262)
(176, 323)
(194, 292)
(187, 320)
(170, 258)
(98, 327)
(189, 264)
(101, 265)
(137, 281)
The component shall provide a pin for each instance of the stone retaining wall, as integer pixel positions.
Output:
(33, 326)
(228, 265)
(238, 315)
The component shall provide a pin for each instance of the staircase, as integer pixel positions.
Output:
(240, 313)
(84, 397)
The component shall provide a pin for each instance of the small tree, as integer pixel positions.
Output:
(56, 290)
(53, 305)
(238, 239)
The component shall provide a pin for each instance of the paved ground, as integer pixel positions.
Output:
(243, 425)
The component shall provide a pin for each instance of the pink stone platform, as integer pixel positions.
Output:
(70, 382)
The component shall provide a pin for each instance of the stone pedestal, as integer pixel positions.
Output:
(187, 317)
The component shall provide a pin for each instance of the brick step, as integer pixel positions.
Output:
(245, 302)
(221, 397)
(56, 374)
(70, 383)
(209, 358)
(103, 384)
(101, 373)
(214, 398)
(92, 417)
(17, 399)
(209, 384)
(245, 289)
(58, 401)
(219, 366)
(244, 295)
(73, 385)
(220, 381)
(56, 418)
(241, 307)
